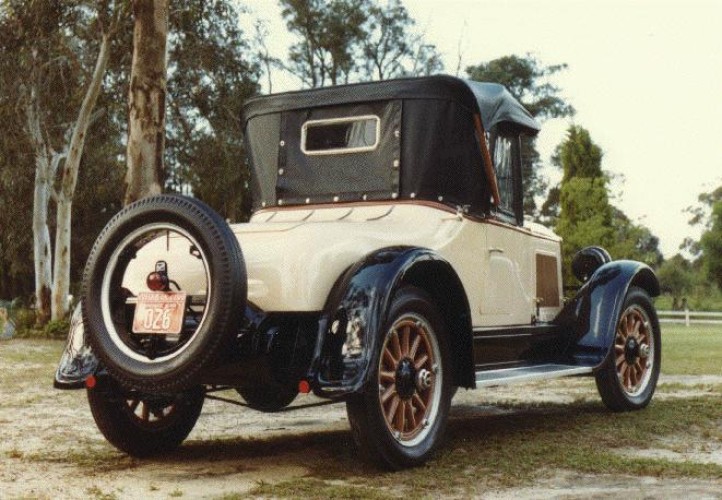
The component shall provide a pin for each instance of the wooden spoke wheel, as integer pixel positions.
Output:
(634, 350)
(628, 377)
(408, 369)
(400, 417)
(143, 424)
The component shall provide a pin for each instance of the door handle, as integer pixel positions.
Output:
(496, 250)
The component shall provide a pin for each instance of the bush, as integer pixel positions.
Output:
(57, 329)
(25, 326)
(24, 321)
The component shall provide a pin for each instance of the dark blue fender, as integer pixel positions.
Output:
(591, 316)
(77, 362)
(356, 311)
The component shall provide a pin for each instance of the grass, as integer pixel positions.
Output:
(98, 494)
(694, 350)
(485, 453)
(24, 360)
(482, 452)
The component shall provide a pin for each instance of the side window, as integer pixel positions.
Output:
(503, 165)
(340, 135)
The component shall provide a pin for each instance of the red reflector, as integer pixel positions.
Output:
(304, 387)
(156, 282)
(90, 382)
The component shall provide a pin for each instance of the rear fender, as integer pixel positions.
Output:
(78, 361)
(356, 312)
(591, 316)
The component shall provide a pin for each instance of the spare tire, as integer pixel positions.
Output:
(199, 256)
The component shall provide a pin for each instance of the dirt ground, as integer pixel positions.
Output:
(50, 447)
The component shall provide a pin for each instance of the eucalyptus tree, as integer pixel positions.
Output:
(343, 41)
(47, 45)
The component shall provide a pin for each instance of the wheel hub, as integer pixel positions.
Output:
(406, 378)
(631, 350)
(423, 380)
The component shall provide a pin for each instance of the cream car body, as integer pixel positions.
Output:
(294, 256)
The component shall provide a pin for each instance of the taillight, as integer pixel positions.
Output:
(157, 282)
(304, 387)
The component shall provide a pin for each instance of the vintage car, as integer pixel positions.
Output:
(386, 264)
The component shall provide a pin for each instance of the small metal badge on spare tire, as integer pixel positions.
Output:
(159, 313)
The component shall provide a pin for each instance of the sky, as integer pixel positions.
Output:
(645, 78)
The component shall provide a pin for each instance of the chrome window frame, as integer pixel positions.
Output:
(333, 121)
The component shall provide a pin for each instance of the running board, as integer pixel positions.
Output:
(528, 374)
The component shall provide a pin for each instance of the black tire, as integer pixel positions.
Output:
(395, 442)
(160, 363)
(144, 425)
(268, 399)
(628, 378)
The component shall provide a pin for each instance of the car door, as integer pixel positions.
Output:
(507, 297)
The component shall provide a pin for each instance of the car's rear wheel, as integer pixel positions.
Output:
(400, 418)
(628, 378)
(140, 424)
(177, 264)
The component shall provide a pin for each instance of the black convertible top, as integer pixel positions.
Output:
(495, 104)
(426, 147)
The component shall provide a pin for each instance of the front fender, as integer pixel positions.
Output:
(78, 361)
(591, 316)
(355, 313)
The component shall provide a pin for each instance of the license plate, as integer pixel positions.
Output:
(159, 313)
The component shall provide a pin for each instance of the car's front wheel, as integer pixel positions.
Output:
(627, 379)
(400, 418)
(140, 424)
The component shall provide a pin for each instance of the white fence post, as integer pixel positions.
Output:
(688, 317)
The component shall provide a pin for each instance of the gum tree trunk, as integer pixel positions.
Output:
(146, 122)
(68, 181)
(45, 162)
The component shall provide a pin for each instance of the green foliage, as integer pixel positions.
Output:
(24, 320)
(56, 329)
(341, 41)
(527, 80)
(676, 276)
(210, 76)
(585, 218)
(329, 33)
(711, 245)
(634, 241)
(585, 215)
(390, 47)
(26, 326)
(52, 46)
(707, 252)
(578, 155)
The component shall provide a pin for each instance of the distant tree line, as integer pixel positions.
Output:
(50, 51)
